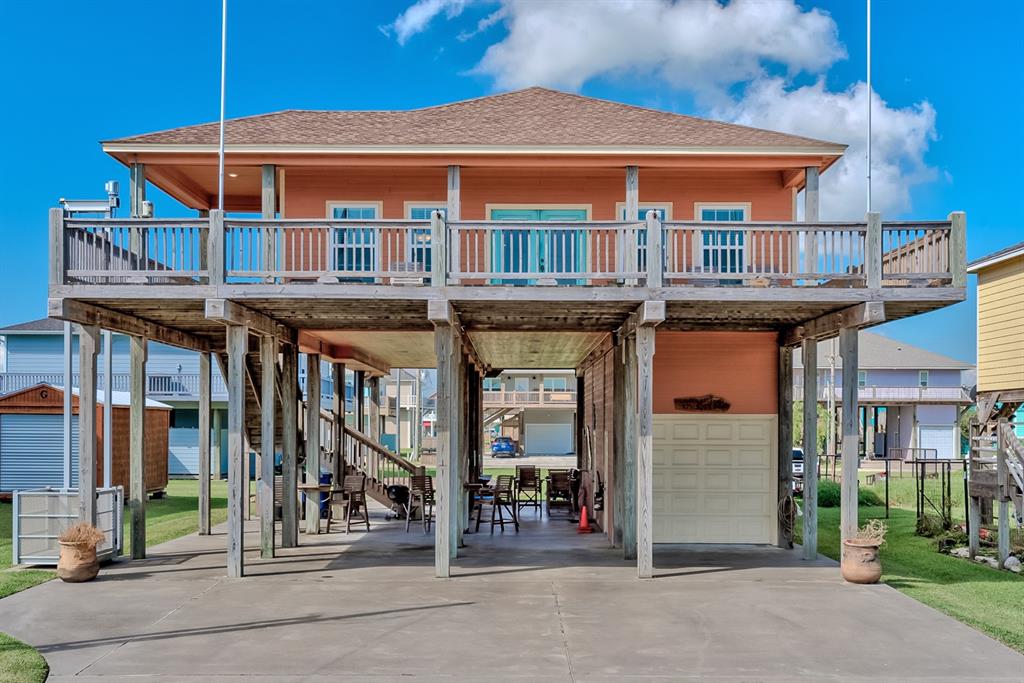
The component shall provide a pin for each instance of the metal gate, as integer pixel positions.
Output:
(41, 515)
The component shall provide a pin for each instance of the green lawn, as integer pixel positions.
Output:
(20, 663)
(989, 600)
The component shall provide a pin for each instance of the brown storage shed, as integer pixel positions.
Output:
(31, 440)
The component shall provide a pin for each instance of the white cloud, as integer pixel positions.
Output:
(698, 45)
(418, 16)
(708, 49)
(900, 139)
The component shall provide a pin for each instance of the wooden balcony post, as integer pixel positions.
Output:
(136, 189)
(215, 248)
(204, 442)
(438, 249)
(238, 488)
(785, 444)
(137, 447)
(958, 248)
(359, 388)
(289, 446)
(810, 443)
(811, 215)
(58, 250)
(313, 394)
(645, 452)
(268, 422)
(850, 445)
(268, 211)
(88, 349)
(629, 258)
(873, 251)
(655, 260)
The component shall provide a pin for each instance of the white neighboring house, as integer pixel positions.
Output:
(537, 408)
(910, 399)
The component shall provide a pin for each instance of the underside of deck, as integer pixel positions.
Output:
(535, 327)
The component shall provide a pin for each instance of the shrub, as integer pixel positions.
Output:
(830, 494)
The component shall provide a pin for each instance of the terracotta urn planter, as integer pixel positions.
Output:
(860, 563)
(77, 562)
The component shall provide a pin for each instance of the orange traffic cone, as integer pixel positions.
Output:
(584, 527)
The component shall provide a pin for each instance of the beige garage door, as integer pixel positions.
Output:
(713, 479)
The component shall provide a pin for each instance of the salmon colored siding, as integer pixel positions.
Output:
(307, 191)
(740, 367)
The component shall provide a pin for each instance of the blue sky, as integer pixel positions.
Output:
(77, 73)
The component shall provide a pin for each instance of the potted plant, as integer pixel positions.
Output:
(78, 561)
(860, 563)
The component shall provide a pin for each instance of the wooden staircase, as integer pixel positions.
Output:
(361, 454)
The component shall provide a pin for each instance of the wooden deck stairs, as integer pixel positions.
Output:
(996, 473)
(361, 454)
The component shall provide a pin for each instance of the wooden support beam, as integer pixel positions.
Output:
(338, 429)
(445, 346)
(238, 487)
(204, 443)
(136, 189)
(629, 436)
(454, 203)
(88, 350)
(810, 444)
(233, 313)
(138, 352)
(645, 452)
(312, 440)
(618, 442)
(824, 327)
(359, 396)
(289, 446)
(812, 195)
(268, 422)
(438, 250)
(108, 408)
(632, 193)
(98, 316)
(353, 358)
(57, 246)
(1006, 488)
(850, 443)
(374, 409)
(215, 243)
(655, 258)
(460, 464)
(218, 430)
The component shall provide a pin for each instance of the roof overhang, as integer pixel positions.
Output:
(998, 257)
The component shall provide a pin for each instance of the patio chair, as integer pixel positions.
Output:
(352, 504)
(559, 490)
(421, 497)
(502, 500)
(528, 487)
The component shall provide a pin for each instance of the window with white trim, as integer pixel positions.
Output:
(555, 384)
(922, 379)
(862, 378)
(722, 251)
(417, 248)
(355, 247)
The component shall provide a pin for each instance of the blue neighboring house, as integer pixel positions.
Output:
(33, 352)
(910, 398)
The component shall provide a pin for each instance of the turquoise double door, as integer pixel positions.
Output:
(536, 250)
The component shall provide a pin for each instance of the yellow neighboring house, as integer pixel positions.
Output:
(1000, 318)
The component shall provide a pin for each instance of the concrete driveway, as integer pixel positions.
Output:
(543, 605)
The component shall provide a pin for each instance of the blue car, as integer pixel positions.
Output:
(504, 446)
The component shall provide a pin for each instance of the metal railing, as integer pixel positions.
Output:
(167, 385)
(529, 398)
(898, 394)
(216, 250)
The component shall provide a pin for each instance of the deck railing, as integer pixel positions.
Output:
(529, 398)
(218, 250)
(158, 385)
(900, 394)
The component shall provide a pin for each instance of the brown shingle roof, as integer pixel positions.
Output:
(526, 118)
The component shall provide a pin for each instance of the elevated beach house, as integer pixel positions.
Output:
(658, 256)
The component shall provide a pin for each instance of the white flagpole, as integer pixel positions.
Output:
(869, 105)
(223, 63)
